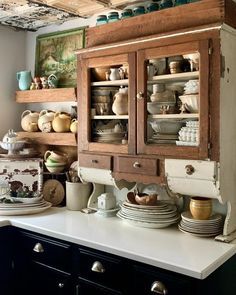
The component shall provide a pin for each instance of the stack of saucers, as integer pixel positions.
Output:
(158, 216)
(202, 228)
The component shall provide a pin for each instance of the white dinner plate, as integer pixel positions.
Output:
(208, 235)
(25, 211)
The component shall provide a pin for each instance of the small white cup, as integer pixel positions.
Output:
(77, 195)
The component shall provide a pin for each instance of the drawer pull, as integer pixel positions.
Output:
(189, 169)
(136, 165)
(159, 288)
(139, 95)
(94, 161)
(38, 248)
(61, 285)
(98, 267)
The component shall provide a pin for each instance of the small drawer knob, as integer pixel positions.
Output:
(94, 161)
(189, 169)
(61, 285)
(98, 267)
(136, 165)
(159, 288)
(139, 95)
(38, 248)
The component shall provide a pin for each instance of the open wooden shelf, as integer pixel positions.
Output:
(175, 77)
(46, 95)
(174, 116)
(123, 82)
(52, 138)
(110, 117)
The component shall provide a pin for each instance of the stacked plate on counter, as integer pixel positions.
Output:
(210, 227)
(23, 206)
(158, 216)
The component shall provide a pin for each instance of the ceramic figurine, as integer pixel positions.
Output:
(33, 86)
(37, 82)
(44, 82)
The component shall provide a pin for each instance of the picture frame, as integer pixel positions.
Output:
(55, 55)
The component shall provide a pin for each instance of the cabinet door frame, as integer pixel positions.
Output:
(84, 102)
(200, 152)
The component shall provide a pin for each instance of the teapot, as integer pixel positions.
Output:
(45, 120)
(61, 122)
(29, 121)
(74, 125)
(120, 104)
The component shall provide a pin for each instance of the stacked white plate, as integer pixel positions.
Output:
(202, 228)
(24, 206)
(110, 137)
(158, 216)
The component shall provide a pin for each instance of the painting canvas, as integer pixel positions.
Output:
(55, 54)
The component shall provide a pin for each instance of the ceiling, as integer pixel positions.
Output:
(33, 14)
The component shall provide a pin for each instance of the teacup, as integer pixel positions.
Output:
(55, 157)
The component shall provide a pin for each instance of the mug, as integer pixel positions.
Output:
(77, 195)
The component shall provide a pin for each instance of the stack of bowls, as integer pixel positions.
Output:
(55, 162)
(102, 99)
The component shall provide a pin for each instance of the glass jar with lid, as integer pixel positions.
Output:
(101, 19)
(126, 13)
(138, 10)
(113, 16)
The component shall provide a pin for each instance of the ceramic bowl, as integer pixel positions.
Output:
(12, 147)
(55, 167)
(167, 126)
(156, 107)
(102, 108)
(200, 208)
(99, 74)
(191, 102)
(145, 199)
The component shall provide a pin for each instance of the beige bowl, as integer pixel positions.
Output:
(200, 208)
(191, 102)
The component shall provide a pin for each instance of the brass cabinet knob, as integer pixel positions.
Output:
(94, 161)
(159, 288)
(136, 165)
(61, 285)
(189, 169)
(38, 247)
(139, 95)
(98, 267)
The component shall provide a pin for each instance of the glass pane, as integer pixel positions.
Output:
(109, 100)
(173, 100)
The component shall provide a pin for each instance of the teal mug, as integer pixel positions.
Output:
(24, 80)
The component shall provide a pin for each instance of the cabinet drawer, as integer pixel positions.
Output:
(100, 269)
(138, 166)
(46, 251)
(147, 282)
(95, 161)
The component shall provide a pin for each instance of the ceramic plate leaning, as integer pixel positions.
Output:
(26, 211)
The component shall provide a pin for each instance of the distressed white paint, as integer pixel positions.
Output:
(12, 59)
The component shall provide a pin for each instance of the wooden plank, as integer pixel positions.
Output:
(111, 83)
(175, 77)
(174, 116)
(53, 138)
(46, 95)
(181, 17)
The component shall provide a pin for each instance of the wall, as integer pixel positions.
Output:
(12, 59)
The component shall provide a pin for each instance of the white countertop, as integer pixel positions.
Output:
(167, 248)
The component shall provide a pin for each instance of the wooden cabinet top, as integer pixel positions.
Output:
(200, 13)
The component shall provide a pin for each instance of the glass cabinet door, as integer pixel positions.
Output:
(172, 100)
(107, 103)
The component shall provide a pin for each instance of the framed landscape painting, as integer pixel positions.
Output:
(55, 54)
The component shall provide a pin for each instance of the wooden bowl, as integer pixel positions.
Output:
(200, 208)
(145, 199)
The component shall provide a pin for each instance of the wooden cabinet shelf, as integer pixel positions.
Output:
(46, 95)
(174, 116)
(111, 117)
(53, 138)
(111, 83)
(174, 77)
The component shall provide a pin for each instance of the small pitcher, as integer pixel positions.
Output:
(115, 74)
(24, 80)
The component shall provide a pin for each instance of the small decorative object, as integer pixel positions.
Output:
(107, 75)
(114, 75)
(122, 73)
(29, 121)
(166, 4)
(106, 201)
(24, 80)
(33, 86)
(11, 136)
(74, 125)
(52, 81)
(61, 122)
(44, 82)
(101, 20)
(63, 60)
(120, 104)
(37, 82)
(182, 108)
(11, 143)
(55, 161)
(164, 109)
(125, 69)
(153, 6)
(126, 13)
(138, 10)
(175, 67)
(200, 208)
(145, 199)
(113, 16)
(45, 120)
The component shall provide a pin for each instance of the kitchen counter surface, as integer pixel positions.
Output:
(166, 248)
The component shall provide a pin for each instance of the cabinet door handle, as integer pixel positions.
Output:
(159, 288)
(189, 169)
(98, 267)
(61, 285)
(136, 165)
(38, 247)
(139, 95)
